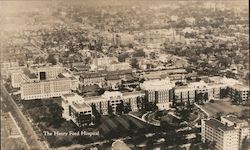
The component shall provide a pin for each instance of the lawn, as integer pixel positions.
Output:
(123, 123)
(223, 106)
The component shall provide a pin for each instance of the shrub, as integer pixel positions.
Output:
(211, 101)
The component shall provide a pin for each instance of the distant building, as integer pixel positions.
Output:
(226, 134)
(47, 88)
(95, 78)
(100, 78)
(42, 83)
(102, 62)
(34, 74)
(113, 82)
(118, 66)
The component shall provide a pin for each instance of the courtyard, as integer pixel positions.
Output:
(224, 107)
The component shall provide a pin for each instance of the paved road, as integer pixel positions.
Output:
(21, 120)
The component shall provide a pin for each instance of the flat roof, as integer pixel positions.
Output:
(214, 123)
(241, 87)
(81, 106)
(157, 84)
(93, 98)
(132, 93)
(234, 119)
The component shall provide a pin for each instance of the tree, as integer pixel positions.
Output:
(87, 60)
(55, 118)
(185, 114)
(139, 103)
(205, 96)
(122, 57)
(245, 114)
(219, 114)
(134, 63)
(198, 97)
(224, 93)
(139, 53)
(152, 55)
(209, 145)
(51, 59)
(127, 108)
(96, 114)
(39, 60)
(120, 108)
(237, 97)
(110, 110)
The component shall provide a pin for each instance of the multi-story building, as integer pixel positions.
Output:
(113, 82)
(95, 78)
(224, 137)
(75, 105)
(103, 62)
(22, 76)
(99, 78)
(113, 99)
(118, 66)
(47, 72)
(34, 74)
(46, 89)
(160, 92)
(242, 126)
(184, 94)
(228, 133)
(38, 84)
(75, 109)
(211, 89)
(239, 93)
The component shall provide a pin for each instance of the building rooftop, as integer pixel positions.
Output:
(241, 87)
(72, 97)
(182, 87)
(132, 93)
(216, 124)
(157, 84)
(28, 73)
(112, 77)
(119, 145)
(235, 120)
(81, 106)
(93, 98)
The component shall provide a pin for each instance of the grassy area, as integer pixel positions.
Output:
(49, 119)
(225, 107)
(121, 124)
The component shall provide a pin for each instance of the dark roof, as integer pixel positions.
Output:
(105, 73)
(216, 124)
(27, 72)
(112, 78)
(60, 75)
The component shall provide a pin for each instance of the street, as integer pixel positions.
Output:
(9, 105)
